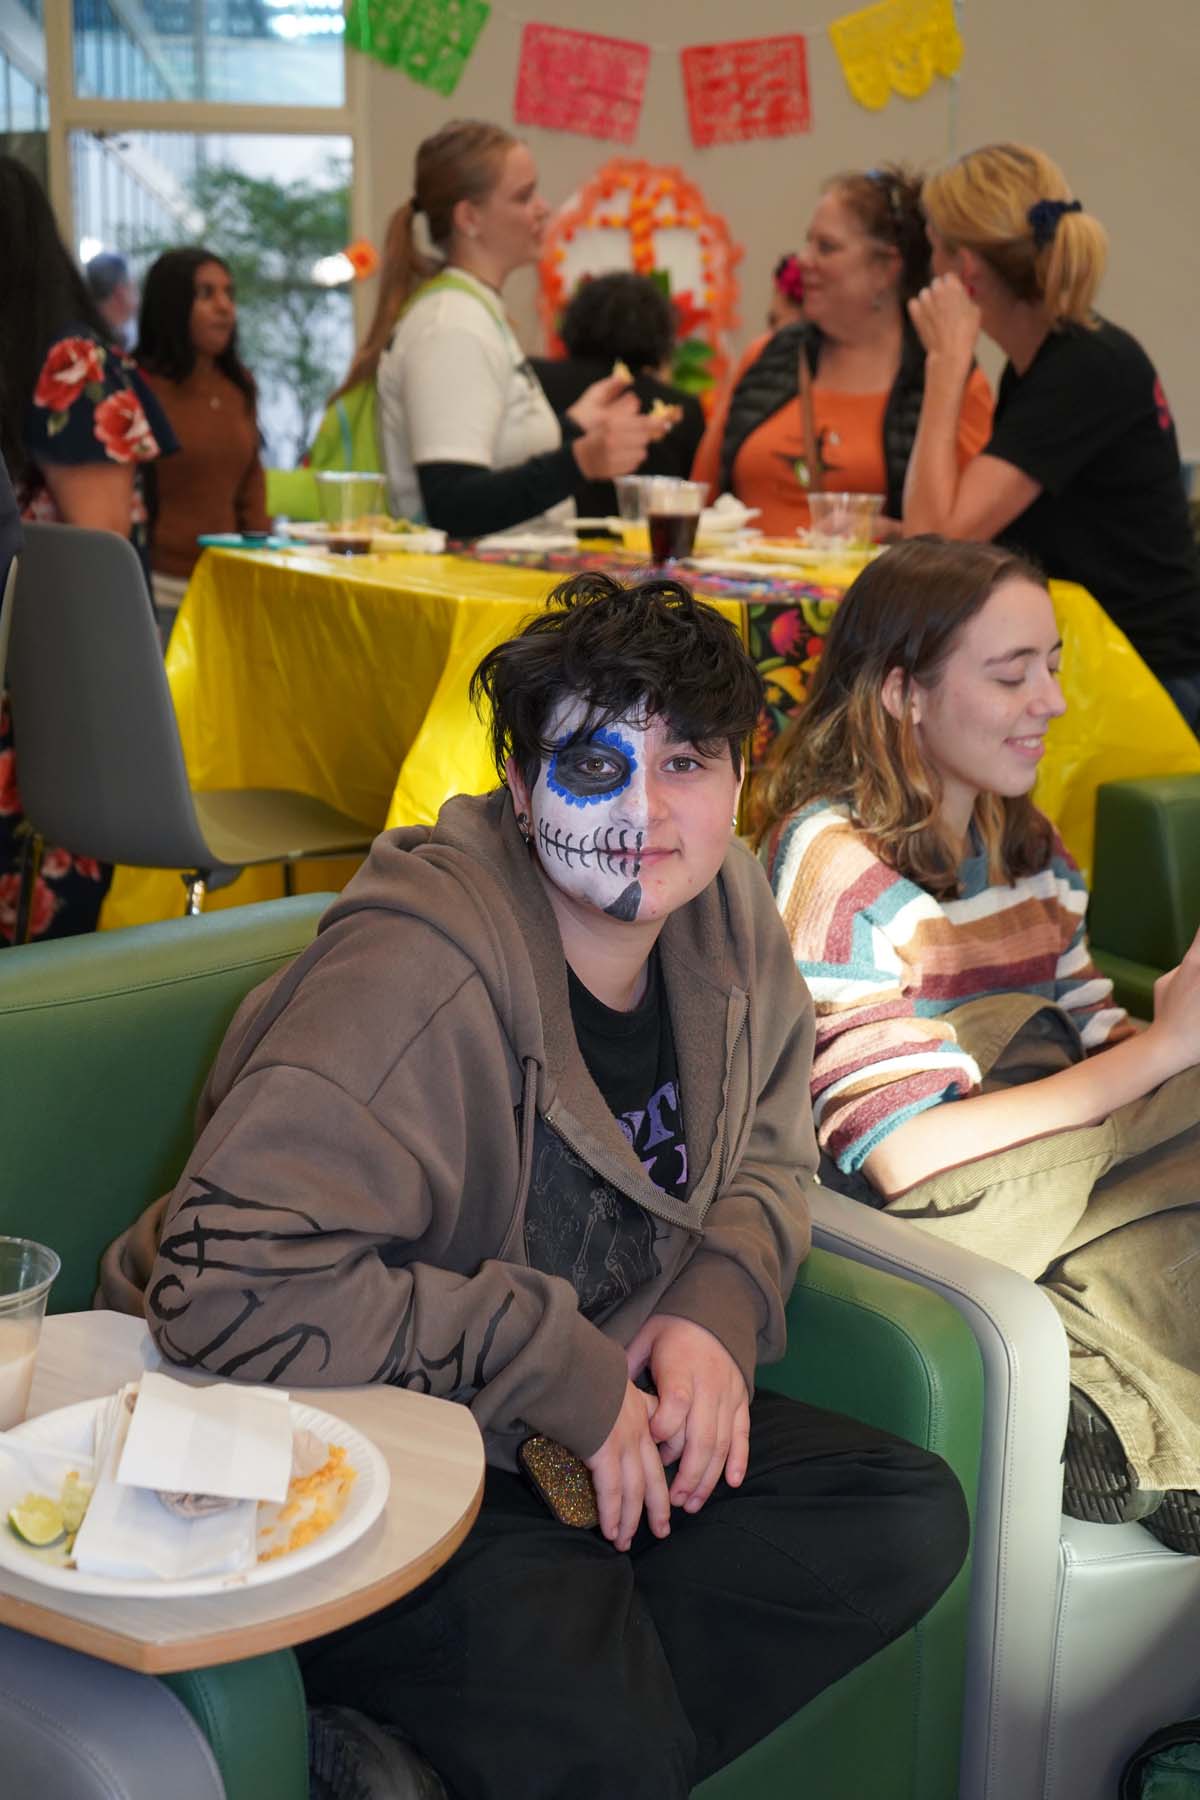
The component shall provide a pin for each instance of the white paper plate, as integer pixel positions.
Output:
(328, 537)
(70, 1430)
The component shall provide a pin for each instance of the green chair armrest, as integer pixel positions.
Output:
(900, 1357)
(863, 1342)
(254, 1717)
(1146, 893)
(1133, 982)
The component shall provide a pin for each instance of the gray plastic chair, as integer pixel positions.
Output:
(99, 759)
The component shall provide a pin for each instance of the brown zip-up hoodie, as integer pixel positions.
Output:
(353, 1209)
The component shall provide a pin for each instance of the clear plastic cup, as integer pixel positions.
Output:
(27, 1273)
(843, 521)
(673, 509)
(630, 496)
(349, 499)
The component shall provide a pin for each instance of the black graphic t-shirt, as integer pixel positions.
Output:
(631, 1058)
(578, 1225)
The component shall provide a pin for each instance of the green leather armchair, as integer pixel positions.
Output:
(107, 1041)
(1145, 906)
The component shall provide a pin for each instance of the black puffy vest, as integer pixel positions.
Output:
(773, 379)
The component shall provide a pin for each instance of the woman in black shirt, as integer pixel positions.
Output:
(1082, 469)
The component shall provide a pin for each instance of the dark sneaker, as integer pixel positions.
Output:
(1176, 1523)
(1098, 1483)
(350, 1757)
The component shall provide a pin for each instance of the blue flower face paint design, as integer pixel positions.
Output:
(593, 769)
(629, 821)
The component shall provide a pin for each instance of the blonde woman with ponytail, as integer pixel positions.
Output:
(1082, 469)
(470, 441)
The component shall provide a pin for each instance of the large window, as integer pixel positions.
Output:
(270, 52)
(276, 209)
(156, 123)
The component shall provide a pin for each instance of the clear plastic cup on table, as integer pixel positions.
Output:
(27, 1273)
(843, 521)
(353, 506)
(631, 496)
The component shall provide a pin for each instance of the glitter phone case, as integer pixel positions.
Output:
(562, 1480)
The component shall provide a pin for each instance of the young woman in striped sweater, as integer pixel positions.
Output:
(915, 875)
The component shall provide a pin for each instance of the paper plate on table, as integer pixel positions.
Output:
(69, 1433)
(331, 537)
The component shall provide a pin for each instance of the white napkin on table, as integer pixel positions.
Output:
(185, 1439)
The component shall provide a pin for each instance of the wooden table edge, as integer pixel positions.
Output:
(239, 1642)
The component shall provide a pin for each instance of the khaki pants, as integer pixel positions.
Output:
(1106, 1218)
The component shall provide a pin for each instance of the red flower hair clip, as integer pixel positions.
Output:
(789, 277)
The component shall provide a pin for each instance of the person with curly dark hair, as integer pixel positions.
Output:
(527, 1127)
(188, 352)
(831, 404)
(613, 319)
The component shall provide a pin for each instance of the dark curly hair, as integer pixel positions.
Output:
(650, 648)
(886, 201)
(619, 317)
(164, 324)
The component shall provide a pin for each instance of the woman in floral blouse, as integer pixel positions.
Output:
(77, 427)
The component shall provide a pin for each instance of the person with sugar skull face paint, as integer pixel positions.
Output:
(528, 1127)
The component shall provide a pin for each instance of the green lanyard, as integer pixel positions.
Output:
(448, 280)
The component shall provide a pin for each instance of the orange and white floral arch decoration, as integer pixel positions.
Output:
(636, 215)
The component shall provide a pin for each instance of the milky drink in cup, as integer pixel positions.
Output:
(18, 1353)
(27, 1271)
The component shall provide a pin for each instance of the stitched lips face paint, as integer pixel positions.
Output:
(626, 818)
(591, 815)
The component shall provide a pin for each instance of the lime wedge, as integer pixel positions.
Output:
(74, 1501)
(38, 1521)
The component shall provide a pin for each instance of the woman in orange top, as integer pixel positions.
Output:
(852, 429)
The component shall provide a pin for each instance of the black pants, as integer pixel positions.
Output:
(541, 1662)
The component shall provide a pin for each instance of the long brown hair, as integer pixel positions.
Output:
(905, 611)
(984, 202)
(462, 161)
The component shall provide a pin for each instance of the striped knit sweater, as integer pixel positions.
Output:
(885, 962)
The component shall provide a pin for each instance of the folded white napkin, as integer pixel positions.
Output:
(225, 1439)
(727, 513)
(127, 1531)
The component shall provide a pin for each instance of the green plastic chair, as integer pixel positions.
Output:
(1145, 906)
(108, 1040)
(292, 494)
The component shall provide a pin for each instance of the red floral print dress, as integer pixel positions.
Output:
(89, 405)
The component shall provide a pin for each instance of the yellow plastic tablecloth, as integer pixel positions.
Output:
(346, 678)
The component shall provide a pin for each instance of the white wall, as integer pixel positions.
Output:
(1109, 87)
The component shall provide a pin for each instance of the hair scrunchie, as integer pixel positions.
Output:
(1043, 217)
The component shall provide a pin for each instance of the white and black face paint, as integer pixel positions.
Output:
(591, 814)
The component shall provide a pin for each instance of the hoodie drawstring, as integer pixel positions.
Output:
(525, 1171)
